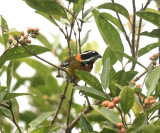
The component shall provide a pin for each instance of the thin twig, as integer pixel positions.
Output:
(124, 31)
(70, 105)
(59, 106)
(148, 2)
(5, 106)
(32, 53)
(142, 74)
(86, 111)
(58, 26)
(14, 120)
(133, 34)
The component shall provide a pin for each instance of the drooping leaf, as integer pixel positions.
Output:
(150, 128)
(9, 74)
(13, 95)
(109, 17)
(4, 29)
(91, 90)
(15, 110)
(150, 17)
(42, 117)
(44, 41)
(88, 11)
(147, 48)
(130, 58)
(154, 33)
(89, 79)
(85, 38)
(115, 7)
(49, 7)
(105, 74)
(108, 114)
(20, 52)
(84, 124)
(152, 80)
(108, 53)
(109, 34)
(126, 99)
(154, 108)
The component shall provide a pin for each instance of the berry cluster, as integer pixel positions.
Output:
(149, 102)
(120, 128)
(22, 38)
(154, 58)
(112, 104)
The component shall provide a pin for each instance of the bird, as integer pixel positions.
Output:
(83, 61)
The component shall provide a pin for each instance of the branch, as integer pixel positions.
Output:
(70, 105)
(14, 120)
(133, 34)
(137, 78)
(148, 2)
(43, 59)
(59, 106)
(76, 120)
(124, 31)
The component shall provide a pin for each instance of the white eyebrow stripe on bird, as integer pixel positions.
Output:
(88, 52)
(89, 59)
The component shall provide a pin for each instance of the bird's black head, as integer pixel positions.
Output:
(90, 56)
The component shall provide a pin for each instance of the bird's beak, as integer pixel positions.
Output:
(99, 56)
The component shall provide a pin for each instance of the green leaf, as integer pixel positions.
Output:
(50, 7)
(44, 41)
(139, 122)
(154, 33)
(84, 40)
(9, 74)
(150, 17)
(122, 78)
(130, 58)
(13, 95)
(126, 99)
(152, 80)
(15, 109)
(45, 129)
(108, 130)
(150, 128)
(91, 90)
(115, 7)
(2, 95)
(154, 108)
(109, 34)
(77, 7)
(84, 124)
(20, 52)
(74, 1)
(147, 48)
(4, 29)
(42, 117)
(108, 53)
(157, 91)
(105, 74)
(108, 114)
(109, 17)
(14, 33)
(89, 79)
